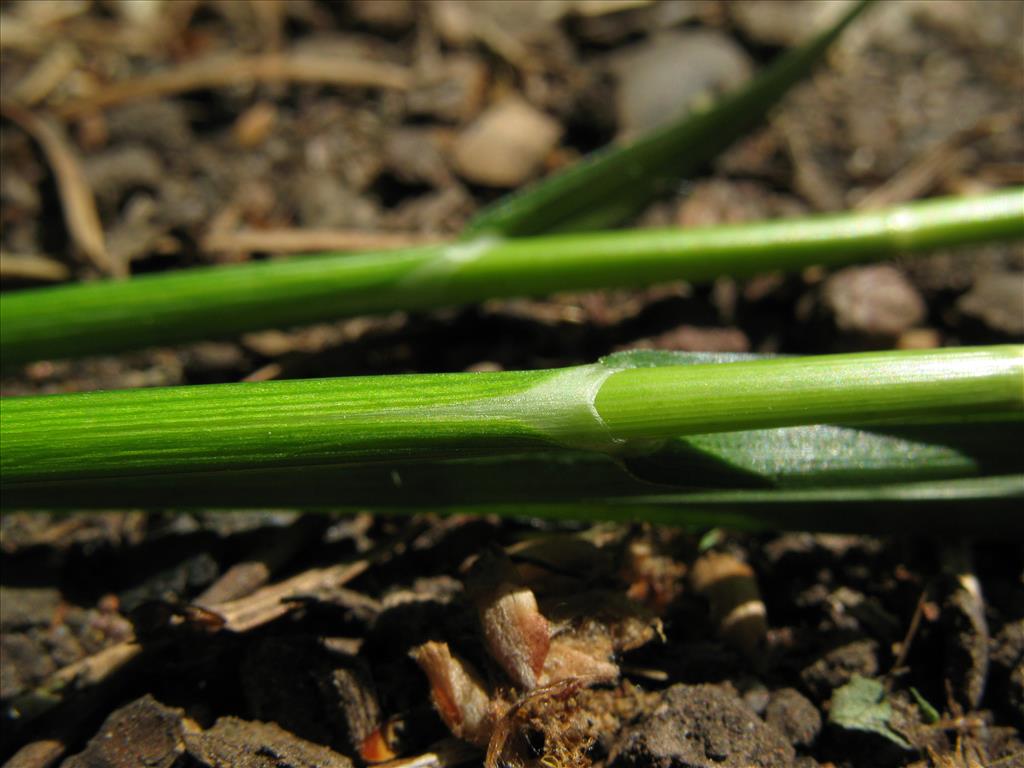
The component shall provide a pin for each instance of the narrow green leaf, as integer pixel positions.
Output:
(814, 456)
(861, 705)
(615, 183)
(817, 455)
(711, 539)
(801, 460)
(928, 712)
(978, 507)
(552, 486)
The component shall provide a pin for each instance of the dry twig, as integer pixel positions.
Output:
(76, 196)
(227, 70)
(46, 75)
(945, 159)
(31, 266)
(38, 754)
(271, 602)
(310, 240)
(445, 754)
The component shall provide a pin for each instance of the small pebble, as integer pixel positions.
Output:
(997, 299)
(793, 715)
(673, 73)
(875, 300)
(919, 338)
(254, 125)
(506, 145)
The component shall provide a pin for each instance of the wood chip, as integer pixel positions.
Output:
(226, 70)
(144, 732)
(575, 656)
(271, 602)
(79, 204)
(458, 692)
(270, 19)
(245, 577)
(236, 742)
(240, 579)
(94, 669)
(38, 754)
(516, 633)
(445, 754)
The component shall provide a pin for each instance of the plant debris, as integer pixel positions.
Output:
(862, 705)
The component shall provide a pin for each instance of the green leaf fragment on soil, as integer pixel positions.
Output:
(861, 705)
(928, 712)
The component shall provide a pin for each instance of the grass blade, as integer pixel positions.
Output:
(826, 455)
(792, 458)
(978, 507)
(615, 183)
(108, 316)
(986, 506)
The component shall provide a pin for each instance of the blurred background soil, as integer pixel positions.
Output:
(224, 131)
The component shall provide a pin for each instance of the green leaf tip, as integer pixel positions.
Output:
(928, 712)
(616, 182)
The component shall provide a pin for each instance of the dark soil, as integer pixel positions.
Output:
(132, 638)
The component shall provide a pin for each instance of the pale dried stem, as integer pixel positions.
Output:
(271, 602)
(286, 240)
(228, 70)
(31, 266)
(946, 158)
(79, 205)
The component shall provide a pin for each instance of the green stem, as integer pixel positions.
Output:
(601, 407)
(107, 316)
